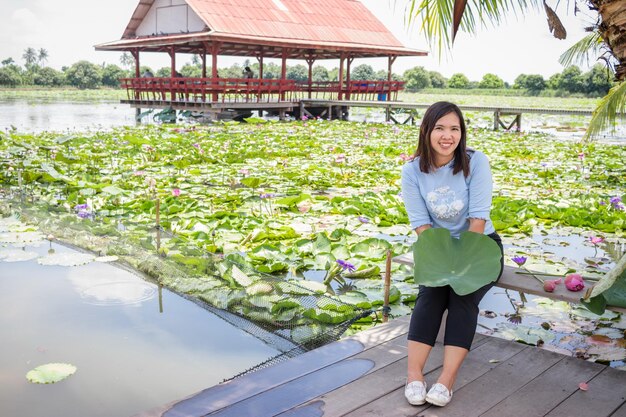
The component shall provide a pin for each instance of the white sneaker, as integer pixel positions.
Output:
(415, 392)
(439, 395)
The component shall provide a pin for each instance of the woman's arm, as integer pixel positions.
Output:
(415, 206)
(477, 225)
(480, 190)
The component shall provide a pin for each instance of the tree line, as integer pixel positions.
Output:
(83, 74)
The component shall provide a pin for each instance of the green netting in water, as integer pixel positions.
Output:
(291, 314)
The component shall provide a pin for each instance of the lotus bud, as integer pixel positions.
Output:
(574, 282)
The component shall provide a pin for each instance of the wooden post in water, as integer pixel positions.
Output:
(386, 307)
(158, 224)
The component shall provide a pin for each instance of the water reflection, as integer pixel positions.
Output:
(131, 355)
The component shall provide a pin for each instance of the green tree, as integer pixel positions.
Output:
(320, 73)
(191, 70)
(42, 56)
(164, 72)
(533, 83)
(458, 80)
(84, 74)
(111, 75)
(9, 77)
(127, 60)
(7, 61)
(491, 81)
(437, 80)
(597, 81)
(30, 57)
(333, 74)
(571, 80)
(416, 78)
(362, 72)
(298, 73)
(49, 77)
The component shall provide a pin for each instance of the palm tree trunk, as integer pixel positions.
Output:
(613, 31)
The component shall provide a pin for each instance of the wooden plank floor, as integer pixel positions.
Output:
(364, 375)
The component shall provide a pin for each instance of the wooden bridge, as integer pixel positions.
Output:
(364, 375)
(225, 97)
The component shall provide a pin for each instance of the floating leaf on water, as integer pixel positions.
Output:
(20, 237)
(525, 334)
(17, 255)
(66, 259)
(259, 287)
(607, 353)
(50, 373)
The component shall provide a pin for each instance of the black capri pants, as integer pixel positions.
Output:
(462, 312)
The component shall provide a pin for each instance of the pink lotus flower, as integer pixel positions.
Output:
(550, 284)
(176, 192)
(596, 240)
(574, 282)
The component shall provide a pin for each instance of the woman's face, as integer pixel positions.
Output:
(445, 138)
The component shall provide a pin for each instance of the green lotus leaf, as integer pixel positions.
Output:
(525, 334)
(609, 290)
(50, 373)
(372, 248)
(466, 264)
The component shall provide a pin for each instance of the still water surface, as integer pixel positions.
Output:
(133, 349)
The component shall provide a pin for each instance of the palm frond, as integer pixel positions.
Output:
(436, 17)
(611, 106)
(582, 51)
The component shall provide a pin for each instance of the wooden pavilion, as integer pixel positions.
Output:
(308, 30)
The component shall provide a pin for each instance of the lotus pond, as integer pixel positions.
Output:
(132, 345)
(294, 200)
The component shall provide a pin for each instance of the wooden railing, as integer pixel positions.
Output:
(254, 89)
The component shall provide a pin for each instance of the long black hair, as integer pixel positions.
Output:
(424, 148)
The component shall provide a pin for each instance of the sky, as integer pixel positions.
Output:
(69, 29)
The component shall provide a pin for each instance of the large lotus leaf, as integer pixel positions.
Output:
(372, 248)
(610, 290)
(466, 264)
(50, 373)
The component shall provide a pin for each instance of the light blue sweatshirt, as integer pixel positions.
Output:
(442, 199)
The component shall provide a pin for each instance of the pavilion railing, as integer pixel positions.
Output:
(192, 89)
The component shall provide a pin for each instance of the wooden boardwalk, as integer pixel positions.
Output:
(364, 375)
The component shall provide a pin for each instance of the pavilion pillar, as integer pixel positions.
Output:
(390, 60)
(341, 58)
(259, 58)
(310, 60)
(215, 50)
(172, 54)
(135, 54)
(283, 72)
(349, 60)
(204, 63)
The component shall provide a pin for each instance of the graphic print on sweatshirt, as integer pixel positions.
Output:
(443, 203)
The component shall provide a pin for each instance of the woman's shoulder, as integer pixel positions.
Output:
(476, 156)
(411, 167)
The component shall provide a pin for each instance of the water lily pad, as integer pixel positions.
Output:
(20, 237)
(466, 264)
(50, 373)
(66, 259)
(525, 334)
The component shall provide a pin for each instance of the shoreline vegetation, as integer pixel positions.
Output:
(426, 96)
